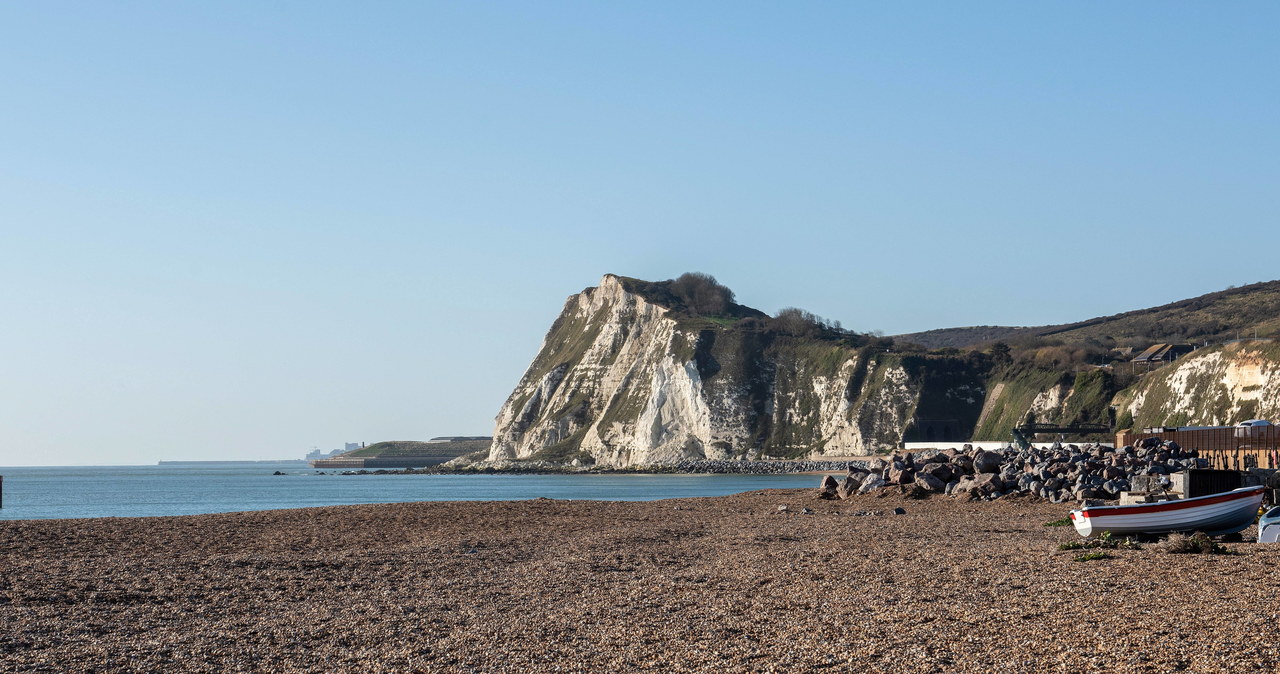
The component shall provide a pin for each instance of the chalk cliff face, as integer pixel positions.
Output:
(1215, 386)
(624, 378)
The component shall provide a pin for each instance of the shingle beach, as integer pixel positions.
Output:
(716, 584)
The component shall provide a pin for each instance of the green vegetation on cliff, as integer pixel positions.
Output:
(396, 448)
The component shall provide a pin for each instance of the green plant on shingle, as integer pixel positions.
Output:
(1104, 541)
(1090, 556)
(1059, 523)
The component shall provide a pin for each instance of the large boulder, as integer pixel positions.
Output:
(850, 485)
(902, 475)
(941, 471)
(982, 484)
(828, 488)
(929, 483)
(871, 483)
(987, 462)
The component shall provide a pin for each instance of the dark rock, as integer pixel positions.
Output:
(902, 476)
(987, 462)
(940, 471)
(929, 482)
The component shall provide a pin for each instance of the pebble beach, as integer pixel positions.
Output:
(725, 584)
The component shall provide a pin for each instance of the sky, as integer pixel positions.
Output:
(244, 230)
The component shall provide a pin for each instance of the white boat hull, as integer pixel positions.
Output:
(1215, 515)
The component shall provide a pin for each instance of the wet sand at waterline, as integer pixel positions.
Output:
(715, 584)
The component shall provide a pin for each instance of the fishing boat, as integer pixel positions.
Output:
(1215, 514)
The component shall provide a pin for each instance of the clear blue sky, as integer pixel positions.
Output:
(243, 230)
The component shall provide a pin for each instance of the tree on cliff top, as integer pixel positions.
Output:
(800, 323)
(702, 294)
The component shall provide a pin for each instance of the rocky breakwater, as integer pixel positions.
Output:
(762, 467)
(1060, 474)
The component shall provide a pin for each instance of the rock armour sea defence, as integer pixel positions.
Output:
(1058, 474)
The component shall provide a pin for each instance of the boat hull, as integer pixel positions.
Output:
(1216, 514)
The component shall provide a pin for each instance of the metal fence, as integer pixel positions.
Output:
(1227, 447)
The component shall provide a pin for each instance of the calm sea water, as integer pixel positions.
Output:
(144, 491)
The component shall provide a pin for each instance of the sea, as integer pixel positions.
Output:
(193, 489)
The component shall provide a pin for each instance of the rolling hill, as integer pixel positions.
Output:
(1214, 317)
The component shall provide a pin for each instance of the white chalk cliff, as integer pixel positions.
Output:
(624, 380)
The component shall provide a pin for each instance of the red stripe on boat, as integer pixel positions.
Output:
(1168, 505)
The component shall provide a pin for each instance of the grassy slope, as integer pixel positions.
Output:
(1089, 402)
(1214, 317)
